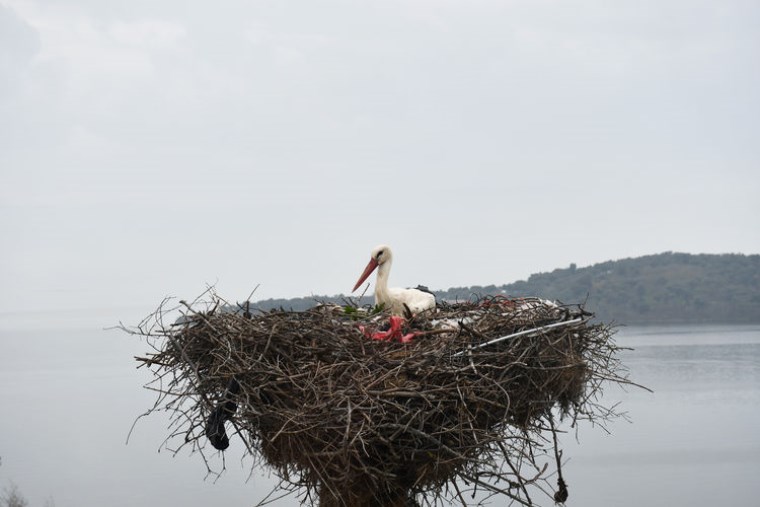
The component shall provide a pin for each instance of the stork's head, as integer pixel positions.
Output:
(380, 255)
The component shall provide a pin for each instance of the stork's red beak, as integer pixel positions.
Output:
(367, 271)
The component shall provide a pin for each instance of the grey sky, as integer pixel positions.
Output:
(148, 148)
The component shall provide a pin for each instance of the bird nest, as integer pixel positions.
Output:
(351, 406)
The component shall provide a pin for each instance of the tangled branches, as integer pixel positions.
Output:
(467, 403)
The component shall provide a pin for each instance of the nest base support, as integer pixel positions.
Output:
(360, 496)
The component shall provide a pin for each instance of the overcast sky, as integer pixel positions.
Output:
(148, 148)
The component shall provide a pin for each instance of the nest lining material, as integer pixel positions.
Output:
(352, 420)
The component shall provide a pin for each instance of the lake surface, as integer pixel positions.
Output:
(69, 393)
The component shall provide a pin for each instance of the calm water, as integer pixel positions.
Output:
(69, 393)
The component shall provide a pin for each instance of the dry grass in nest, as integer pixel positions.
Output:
(349, 420)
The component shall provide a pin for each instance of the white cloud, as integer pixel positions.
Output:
(149, 34)
(19, 42)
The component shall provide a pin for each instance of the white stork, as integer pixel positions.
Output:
(396, 299)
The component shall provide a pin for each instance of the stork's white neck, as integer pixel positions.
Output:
(381, 285)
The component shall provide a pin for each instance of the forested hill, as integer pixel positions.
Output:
(654, 289)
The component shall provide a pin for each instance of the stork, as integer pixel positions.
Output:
(395, 299)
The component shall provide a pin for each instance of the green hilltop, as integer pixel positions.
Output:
(666, 288)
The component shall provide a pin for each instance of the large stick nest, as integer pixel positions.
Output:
(354, 420)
